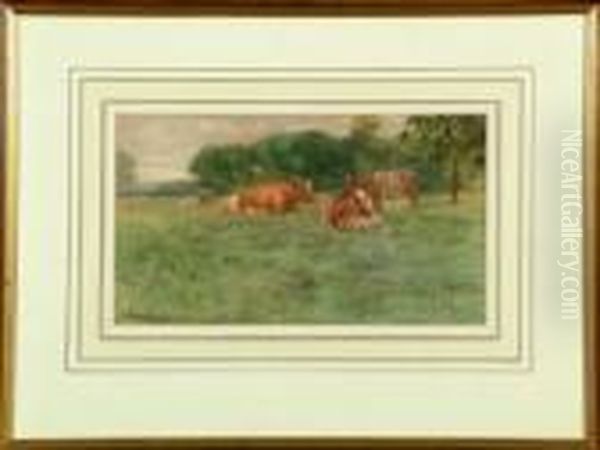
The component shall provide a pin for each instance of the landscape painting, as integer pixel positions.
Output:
(371, 219)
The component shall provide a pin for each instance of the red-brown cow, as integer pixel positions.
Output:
(273, 197)
(353, 209)
(388, 184)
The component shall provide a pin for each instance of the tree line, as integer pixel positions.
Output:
(446, 151)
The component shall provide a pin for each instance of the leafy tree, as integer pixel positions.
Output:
(451, 143)
(440, 148)
(368, 149)
(313, 155)
(222, 167)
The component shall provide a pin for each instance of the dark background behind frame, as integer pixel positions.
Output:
(308, 8)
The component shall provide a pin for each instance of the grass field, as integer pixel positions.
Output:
(180, 261)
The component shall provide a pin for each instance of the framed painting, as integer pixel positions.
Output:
(340, 225)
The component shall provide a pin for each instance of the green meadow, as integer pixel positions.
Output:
(180, 260)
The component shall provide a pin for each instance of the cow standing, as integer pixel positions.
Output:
(407, 185)
(388, 184)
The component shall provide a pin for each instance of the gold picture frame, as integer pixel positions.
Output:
(9, 203)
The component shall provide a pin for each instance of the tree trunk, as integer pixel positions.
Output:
(454, 180)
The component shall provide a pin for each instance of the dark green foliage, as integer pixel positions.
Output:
(452, 147)
(223, 167)
(312, 155)
(445, 150)
(369, 150)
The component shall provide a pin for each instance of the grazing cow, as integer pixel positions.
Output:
(353, 209)
(274, 197)
(388, 184)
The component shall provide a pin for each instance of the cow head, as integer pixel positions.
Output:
(363, 201)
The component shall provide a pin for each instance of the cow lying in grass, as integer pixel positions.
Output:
(353, 209)
(273, 197)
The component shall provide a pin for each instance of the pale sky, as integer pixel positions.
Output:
(163, 145)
